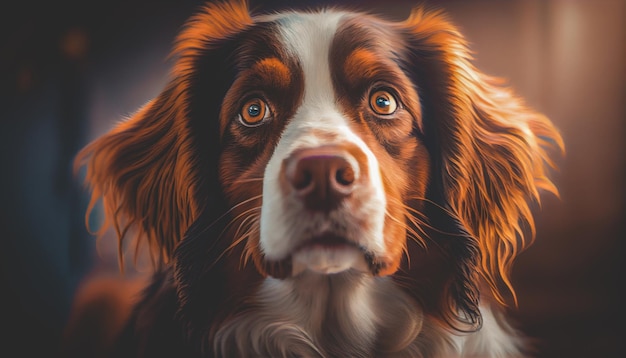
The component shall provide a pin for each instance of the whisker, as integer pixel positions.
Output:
(248, 180)
(229, 210)
(414, 212)
(405, 251)
(416, 218)
(215, 242)
(417, 223)
(438, 206)
(241, 238)
(411, 234)
(247, 252)
(414, 235)
(240, 204)
(243, 222)
(252, 228)
(233, 220)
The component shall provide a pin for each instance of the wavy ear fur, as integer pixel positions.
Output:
(490, 152)
(144, 178)
(152, 171)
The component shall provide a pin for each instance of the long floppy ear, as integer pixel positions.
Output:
(490, 153)
(155, 171)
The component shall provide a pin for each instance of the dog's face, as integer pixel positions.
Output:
(322, 133)
(329, 141)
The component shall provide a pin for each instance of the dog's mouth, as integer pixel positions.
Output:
(326, 241)
(326, 254)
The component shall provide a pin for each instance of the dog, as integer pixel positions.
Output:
(323, 183)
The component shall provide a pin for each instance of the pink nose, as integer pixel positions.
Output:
(321, 177)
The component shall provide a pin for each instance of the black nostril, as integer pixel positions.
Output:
(301, 179)
(345, 176)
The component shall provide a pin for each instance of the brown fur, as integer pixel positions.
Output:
(144, 169)
(495, 149)
(461, 162)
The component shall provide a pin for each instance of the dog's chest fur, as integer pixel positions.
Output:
(348, 314)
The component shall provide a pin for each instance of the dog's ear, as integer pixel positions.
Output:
(154, 171)
(441, 272)
(490, 153)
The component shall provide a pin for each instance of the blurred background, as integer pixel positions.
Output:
(69, 70)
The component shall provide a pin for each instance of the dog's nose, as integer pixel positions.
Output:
(321, 177)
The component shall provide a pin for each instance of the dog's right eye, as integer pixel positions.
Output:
(253, 112)
(383, 103)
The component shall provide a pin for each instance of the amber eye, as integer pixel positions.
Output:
(383, 103)
(254, 111)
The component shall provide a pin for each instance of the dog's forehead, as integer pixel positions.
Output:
(321, 44)
(314, 39)
(307, 39)
(303, 32)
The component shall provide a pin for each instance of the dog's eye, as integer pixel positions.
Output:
(254, 111)
(383, 103)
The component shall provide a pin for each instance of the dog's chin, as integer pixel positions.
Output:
(325, 255)
(328, 260)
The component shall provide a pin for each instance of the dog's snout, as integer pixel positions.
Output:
(322, 177)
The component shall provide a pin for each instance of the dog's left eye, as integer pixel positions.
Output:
(383, 103)
(253, 112)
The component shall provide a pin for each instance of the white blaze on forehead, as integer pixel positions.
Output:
(308, 37)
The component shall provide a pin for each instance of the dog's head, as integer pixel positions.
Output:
(329, 141)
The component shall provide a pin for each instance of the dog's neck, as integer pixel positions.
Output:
(345, 314)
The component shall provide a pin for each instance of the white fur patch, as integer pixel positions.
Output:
(284, 222)
(328, 260)
(349, 314)
(496, 338)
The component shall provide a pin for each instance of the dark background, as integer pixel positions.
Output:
(69, 70)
